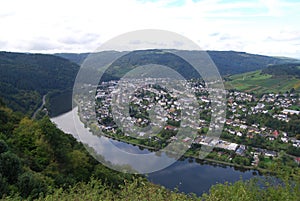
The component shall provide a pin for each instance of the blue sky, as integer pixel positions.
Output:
(267, 27)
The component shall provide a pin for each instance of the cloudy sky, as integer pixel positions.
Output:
(269, 27)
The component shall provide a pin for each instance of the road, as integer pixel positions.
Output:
(42, 105)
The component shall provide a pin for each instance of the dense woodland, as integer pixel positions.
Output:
(36, 157)
(228, 62)
(25, 78)
(289, 70)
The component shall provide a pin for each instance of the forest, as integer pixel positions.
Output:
(25, 78)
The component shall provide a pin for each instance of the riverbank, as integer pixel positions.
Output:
(186, 155)
(186, 174)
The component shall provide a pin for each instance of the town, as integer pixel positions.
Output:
(258, 127)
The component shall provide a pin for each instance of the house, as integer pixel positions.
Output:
(297, 160)
(286, 111)
(296, 143)
(259, 106)
(271, 138)
(239, 134)
(284, 139)
(275, 133)
(270, 153)
(186, 139)
(173, 138)
(169, 127)
(244, 127)
(241, 150)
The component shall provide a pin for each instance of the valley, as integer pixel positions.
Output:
(261, 129)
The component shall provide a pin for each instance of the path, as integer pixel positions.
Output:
(42, 105)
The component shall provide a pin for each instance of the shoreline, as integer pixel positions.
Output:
(210, 160)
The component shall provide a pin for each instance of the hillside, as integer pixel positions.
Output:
(228, 62)
(25, 78)
(284, 70)
(36, 157)
(276, 78)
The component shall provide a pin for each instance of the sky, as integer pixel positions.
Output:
(268, 27)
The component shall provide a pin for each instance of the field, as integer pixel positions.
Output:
(261, 83)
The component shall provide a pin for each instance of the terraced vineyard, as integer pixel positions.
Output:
(258, 82)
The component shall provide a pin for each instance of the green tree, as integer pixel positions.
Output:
(3, 186)
(3, 146)
(10, 166)
(31, 185)
(79, 165)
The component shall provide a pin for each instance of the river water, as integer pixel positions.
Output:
(188, 175)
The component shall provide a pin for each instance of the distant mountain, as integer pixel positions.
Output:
(26, 77)
(77, 58)
(228, 62)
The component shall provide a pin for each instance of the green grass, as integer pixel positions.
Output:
(261, 83)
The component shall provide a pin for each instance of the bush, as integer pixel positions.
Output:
(10, 166)
(3, 147)
(31, 185)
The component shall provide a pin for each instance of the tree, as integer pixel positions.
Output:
(3, 147)
(3, 186)
(32, 185)
(10, 166)
(79, 165)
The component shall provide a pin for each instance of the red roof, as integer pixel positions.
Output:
(275, 133)
(168, 127)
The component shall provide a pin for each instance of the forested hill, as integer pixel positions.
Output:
(36, 157)
(26, 77)
(283, 70)
(228, 62)
(231, 62)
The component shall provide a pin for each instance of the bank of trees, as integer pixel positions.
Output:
(36, 157)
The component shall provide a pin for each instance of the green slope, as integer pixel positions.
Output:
(25, 78)
(228, 62)
(277, 78)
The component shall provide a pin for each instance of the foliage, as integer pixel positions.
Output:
(251, 191)
(228, 62)
(10, 166)
(26, 77)
(283, 70)
(32, 185)
(36, 157)
(139, 189)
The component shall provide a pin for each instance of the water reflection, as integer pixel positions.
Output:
(187, 174)
(116, 157)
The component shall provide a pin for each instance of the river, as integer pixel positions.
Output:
(188, 175)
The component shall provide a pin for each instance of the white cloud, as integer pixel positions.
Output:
(76, 26)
